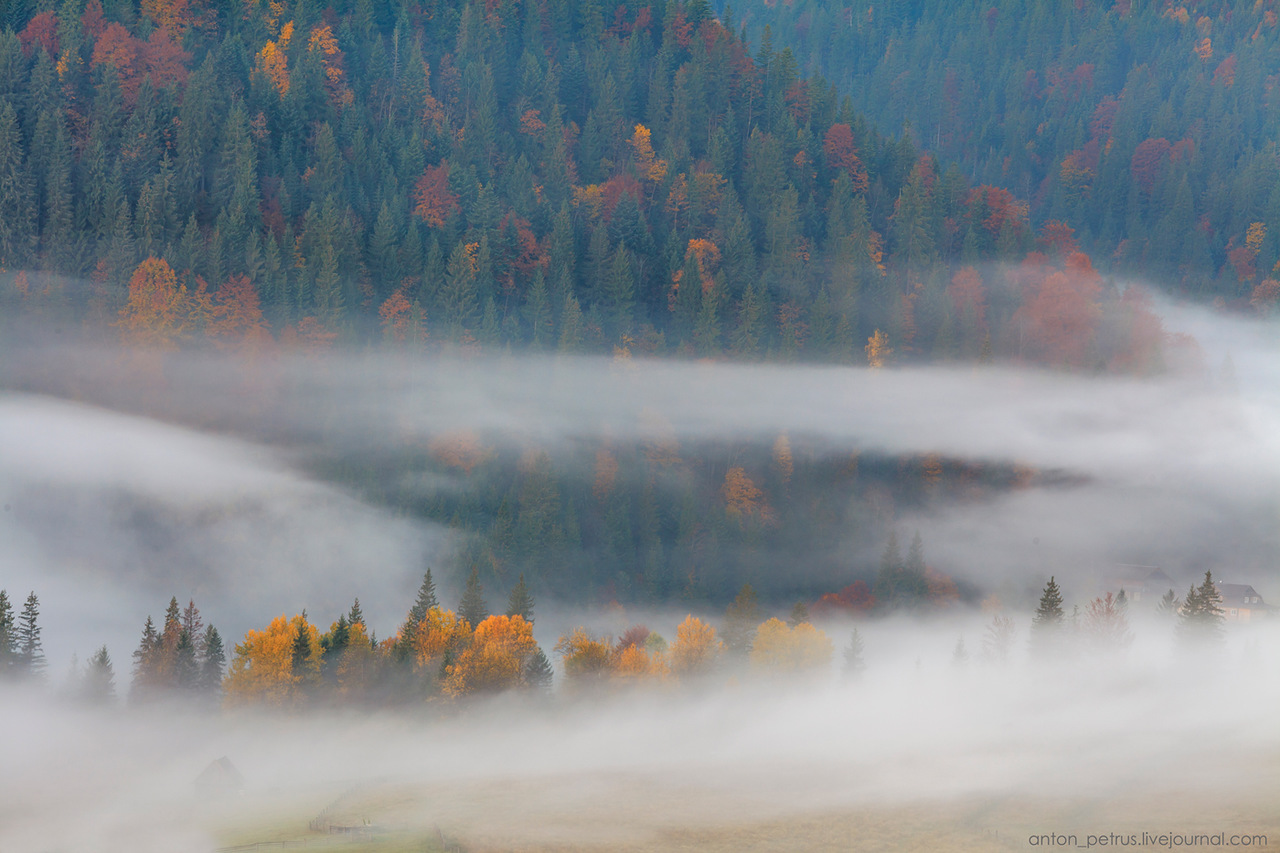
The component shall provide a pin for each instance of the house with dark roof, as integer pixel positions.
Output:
(1241, 603)
(1140, 583)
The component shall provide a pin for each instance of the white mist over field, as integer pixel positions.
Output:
(1004, 743)
(194, 487)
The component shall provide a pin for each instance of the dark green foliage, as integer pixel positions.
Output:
(1047, 624)
(30, 651)
(472, 607)
(520, 602)
(854, 662)
(740, 621)
(901, 584)
(799, 614)
(98, 684)
(8, 637)
(538, 674)
(215, 660)
(1200, 619)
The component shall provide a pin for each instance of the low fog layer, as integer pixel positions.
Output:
(1143, 728)
(143, 502)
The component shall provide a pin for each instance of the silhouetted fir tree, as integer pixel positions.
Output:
(472, 607)
(1048, 622)
(8, 637)
(332, 645)
(356, 614)
(145, 659)
(1168, 605)
(960, 655)
(520, 602)
(740, 621)
(215, 660)
(1201, 619)
(186, 669)
(854, 662)
(98, 684)
(31, 662)
(799, 614)
(425, 601)
(538, 674)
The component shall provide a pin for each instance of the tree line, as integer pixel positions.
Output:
(515, 174)
(1145, 126)
(439, 655)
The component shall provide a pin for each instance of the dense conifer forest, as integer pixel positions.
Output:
(1149, 128)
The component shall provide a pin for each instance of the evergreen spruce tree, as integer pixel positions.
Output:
(1200, 619)
(854, 663)
(520, 603)
(1169, 605)
(215, 659)
(31, 662)
(1047, 623)
(356, 614)
(144, 662)
(887, 587)
(741, 619)
(98, 685)
(538, 674)
(8, 637)
(186, 668)
(960, 656)
(472, 607)
(425, 601)
(799, 614)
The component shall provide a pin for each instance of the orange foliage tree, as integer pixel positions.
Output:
(742, 499)
(460, 449)
(236, 320)
(1059, 319)
(780, 648)
(263, 670)
(696, 649)
(587, 659)
(158, 312)
(433, 202)
(494, 659)
(842, 155)
(437, 633)
(273, 62)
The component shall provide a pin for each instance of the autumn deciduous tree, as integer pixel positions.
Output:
(842, 155)
(650, 167)
(158, 312)
(1059, 318)
(262, 671)
(696, 649)
(273, 62)
(433, 202)
(878, 350)
(236, 320)
(436, 634)
(494, 659)
(742, 499)
(1106, 626)
(459, 449)
(779, 648)
(587, 659)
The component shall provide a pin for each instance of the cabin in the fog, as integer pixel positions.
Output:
(220, 778)
(1241, 603)
(1140, 583)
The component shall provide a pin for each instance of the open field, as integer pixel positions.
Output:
(589, 813)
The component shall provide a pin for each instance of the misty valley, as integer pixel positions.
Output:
(548, 425)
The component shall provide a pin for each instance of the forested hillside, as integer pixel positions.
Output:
(1150, 128)
(542, 174)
